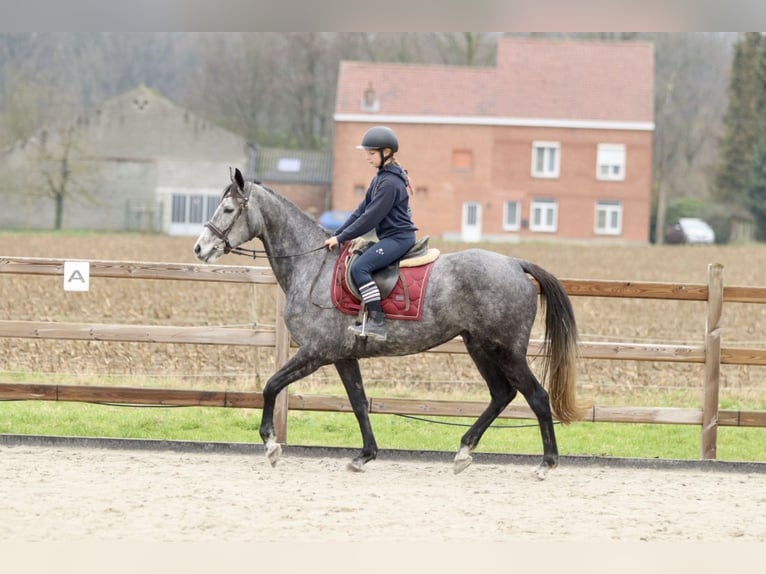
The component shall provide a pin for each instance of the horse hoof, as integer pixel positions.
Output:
(541, 472)
(463, 460)
(356, 465)
(273, 452)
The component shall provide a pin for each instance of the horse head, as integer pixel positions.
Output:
(232, 224)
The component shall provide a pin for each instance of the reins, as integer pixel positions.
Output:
(255, 252)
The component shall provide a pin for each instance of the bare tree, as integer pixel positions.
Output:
(466, 48)
(309, 86)
(62, 170)
(691, 77)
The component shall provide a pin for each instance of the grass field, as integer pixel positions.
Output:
(427, 376)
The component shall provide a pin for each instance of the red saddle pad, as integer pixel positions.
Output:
(405, 301)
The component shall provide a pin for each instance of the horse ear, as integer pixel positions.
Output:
(239, 179)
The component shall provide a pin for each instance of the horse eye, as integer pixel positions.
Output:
(228, 210)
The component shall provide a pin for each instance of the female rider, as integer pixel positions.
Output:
(386, 209)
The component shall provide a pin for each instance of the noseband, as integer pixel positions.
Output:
(223, 234)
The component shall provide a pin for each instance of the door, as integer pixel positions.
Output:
(471, 222)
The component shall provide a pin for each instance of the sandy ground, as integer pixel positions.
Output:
(69, 493)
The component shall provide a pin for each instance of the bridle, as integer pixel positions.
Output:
(223, 234)
(243, 201)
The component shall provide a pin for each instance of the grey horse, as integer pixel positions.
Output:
(484, 297)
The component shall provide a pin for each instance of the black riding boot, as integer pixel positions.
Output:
(374, 327)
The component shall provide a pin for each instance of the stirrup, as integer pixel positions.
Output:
(363, 330)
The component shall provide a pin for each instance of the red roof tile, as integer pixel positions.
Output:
(533, 79)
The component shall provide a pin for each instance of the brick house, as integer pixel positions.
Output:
(554, 142)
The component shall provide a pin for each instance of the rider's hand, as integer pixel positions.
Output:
(331, 243)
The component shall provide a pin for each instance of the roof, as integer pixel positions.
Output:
(534, 81)
(292, 166)
(142, 125)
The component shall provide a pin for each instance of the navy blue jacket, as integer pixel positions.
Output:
(385, 208)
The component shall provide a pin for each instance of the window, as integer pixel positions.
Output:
(472, 213)
(289, 164)
(196, 203)
(193, 208)
(545, 159)
(462, 160)
(608, 218)
(178, 214)
(511, 215)
(370, 101)
(610, 162)
(212, 205)
(544, 215)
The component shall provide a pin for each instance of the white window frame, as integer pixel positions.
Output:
(611, 210)
(544, 216)
(193, 208)
(515, 224)
(550, 153)
(186, 210)
(610, 162)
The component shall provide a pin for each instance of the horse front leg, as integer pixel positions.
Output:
(298, 366)
(349, 372)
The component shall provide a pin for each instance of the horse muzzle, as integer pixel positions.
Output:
(208, 252)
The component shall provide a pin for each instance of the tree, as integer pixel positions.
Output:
(466, 48)
(742, 121)
(309, 87)
(687, 117)
(755, 197)
(51, 167)
(756, 189)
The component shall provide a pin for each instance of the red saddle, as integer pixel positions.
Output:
(405, 300)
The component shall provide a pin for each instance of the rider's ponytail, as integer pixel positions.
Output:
(410, 190)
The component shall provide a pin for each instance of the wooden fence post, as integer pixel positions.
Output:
(281, 352)
(712, 360)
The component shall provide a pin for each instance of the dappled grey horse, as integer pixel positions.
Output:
(484, 297)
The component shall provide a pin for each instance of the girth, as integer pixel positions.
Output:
(386, 278)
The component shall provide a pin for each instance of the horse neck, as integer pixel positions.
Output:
(288, 231)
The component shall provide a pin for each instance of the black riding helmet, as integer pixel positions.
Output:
(380, 138)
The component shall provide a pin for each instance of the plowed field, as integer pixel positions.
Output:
(195, 366)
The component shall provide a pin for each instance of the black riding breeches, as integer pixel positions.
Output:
(381, 254)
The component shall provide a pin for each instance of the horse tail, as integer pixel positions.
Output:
(560, 345)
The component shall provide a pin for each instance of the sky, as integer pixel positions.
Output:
(391, 15)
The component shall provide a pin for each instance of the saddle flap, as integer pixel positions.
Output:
(384, 278)
(387, 277)
(404, 302)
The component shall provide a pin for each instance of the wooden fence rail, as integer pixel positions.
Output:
(710, 353)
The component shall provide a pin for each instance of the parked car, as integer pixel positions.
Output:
(333, 219)
(690, 230)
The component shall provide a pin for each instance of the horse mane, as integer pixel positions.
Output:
(287, 203)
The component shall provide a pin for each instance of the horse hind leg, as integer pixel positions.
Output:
(501, 395)
(505, 374)
(524, 380)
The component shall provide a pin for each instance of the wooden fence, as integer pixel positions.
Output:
(709, 353)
